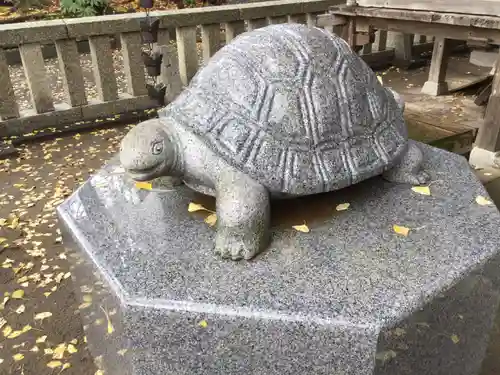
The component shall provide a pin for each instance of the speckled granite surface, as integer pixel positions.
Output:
(350, 297)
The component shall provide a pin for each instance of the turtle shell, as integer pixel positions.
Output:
(294, 108)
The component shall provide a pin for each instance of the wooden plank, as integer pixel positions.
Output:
(102, 66)
(381, 40)
(8, 104)
(210, 40)
(276, 20)
(488, 137)
(133, 64)
(36, 75)
(443, 30)
(188, 54)
(477, 7)
(69, 63)
(256, 23)
(297, 18)
(436, 84)
(452, 19)
(234, 29)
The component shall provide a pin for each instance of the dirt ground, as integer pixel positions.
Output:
(38, 313)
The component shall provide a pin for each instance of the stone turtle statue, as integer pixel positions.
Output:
(281, 111)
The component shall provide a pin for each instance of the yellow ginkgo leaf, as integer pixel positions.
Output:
(54, 364)
(41, 339)
(35, 349)
(380, 79)
(59, 351)
(74, 341)
(342, 206)
(404, 231)
(122, 352)
(43, 315)
(482, 201)
(99, 372)
(48, 351)
(455, 339)
(193, 207)
(203, 324)
(145, 185)
(18, 294)
(18, 357)
(7, 331)
(2, 240)
(211, 219)
(424, 190)
(20, 309)
(72, 349)
(26, 328)
(15, 334)
(65, 366)
(84, 305)
(110, 328)
(301, 228)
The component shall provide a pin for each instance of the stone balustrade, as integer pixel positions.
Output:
(216, 25)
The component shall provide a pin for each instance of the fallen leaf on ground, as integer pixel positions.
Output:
(342, 206)
(41, 339)
(455, 339)
(18, 294)
(43, 315)
(54, 364)
(21, 309)
(2, 240)
(482, 201)
(18, 357)
(193, 207)
(401, 230)
(144, 185)
(301, 228)
(59, 351)
(7, 331)
(424, 190)
(65, 366)
(203, 324)
(72, 349)
(211, 219)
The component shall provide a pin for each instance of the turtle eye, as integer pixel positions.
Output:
(157, 148)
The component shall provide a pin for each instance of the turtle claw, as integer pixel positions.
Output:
(230, 245)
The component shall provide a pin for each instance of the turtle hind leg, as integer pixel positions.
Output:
(243, 216)
(409, 169)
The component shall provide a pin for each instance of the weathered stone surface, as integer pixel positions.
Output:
(36, 75)
(350, 297)
(283, 110)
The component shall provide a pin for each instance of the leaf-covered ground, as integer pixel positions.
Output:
(38, 313)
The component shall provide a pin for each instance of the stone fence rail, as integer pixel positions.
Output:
(215, 25)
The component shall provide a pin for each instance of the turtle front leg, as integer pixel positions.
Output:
(409, 169)
(243, 216)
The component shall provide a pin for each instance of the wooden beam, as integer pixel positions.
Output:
(478, 7)
(488, 137)
(436, 84)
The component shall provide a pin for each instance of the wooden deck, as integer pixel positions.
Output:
(448, 121)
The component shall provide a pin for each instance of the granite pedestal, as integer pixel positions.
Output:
(349, 297)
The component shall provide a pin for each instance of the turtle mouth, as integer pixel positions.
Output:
(145, 174)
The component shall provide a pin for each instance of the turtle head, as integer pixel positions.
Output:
(149, 151)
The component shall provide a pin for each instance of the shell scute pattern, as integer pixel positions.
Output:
(303, 112)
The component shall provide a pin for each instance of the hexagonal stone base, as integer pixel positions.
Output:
(349, 297)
